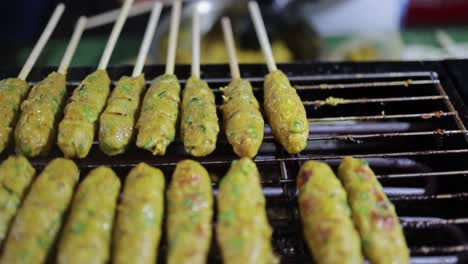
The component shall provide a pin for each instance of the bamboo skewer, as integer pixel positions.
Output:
(110, 16)
(71, 48)
(231, 50)
(114, 35)
(172, 45)
(262, 35)
(195, 44)
(148, 37)
(53, 21)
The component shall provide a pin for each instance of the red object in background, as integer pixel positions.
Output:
(437, 12)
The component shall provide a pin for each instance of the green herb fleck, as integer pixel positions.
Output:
(296, 127)
(227, 216)
(161, 94)
(195, 100)
(78, 227)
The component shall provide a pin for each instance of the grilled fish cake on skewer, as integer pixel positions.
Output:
(36, 128)
(117, 121)
(87, 234)
(16, 174)
(283, 106)
(374, 215)
(242, 118)
(189, 214)
(160, 110)
(326, 217)
(159, 113)
(139, 220)
(76, 130)
(242, 229)
(40, 216)
(285, 112)
(199, 122)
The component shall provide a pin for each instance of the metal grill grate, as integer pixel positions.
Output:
(397, 115)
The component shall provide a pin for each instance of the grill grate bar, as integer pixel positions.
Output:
(426, 250)
(385, 135)
(327, 86)
(460, 196)
(436, 114)
(422, 174)
(431, 222)
(318, 103)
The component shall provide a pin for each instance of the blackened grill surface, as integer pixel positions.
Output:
(406, 119)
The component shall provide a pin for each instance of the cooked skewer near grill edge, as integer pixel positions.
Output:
(139, 217)
(76, 130)
(189, 214)
(14, 90)
(374, 215)
(40, 216)
(243, 122)
(326, 217)
(16, 175)
(160, 109)
(199, 126)
(86, 237)
(242, 229)
(118, 119)
(283, 106)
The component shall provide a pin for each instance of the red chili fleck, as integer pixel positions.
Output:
(379, 196)
(188, 180)
(363, 172)
(304, 177)
(385, 222)
(307, 206)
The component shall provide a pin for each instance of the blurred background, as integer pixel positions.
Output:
(300, 30)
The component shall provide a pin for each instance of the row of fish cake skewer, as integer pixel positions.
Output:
(90, 108)
(344, 218)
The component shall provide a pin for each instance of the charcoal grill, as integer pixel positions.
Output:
(406, 118)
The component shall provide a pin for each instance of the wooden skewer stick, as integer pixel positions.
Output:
(71, 48)
(196, 44)
(114, 35)
(110, 16)
(172, 44)
(148, 37)
(230, 46)
(53, 21)
(262, 35)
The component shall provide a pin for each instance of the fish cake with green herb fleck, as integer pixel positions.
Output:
(242, 229)
(159, 113)
(40, 216)
(199, 121)
(189, 214)
(36, 128)
(118, 119)
(77, 129)
(86, 237)
(285, 112)
(374, 215)
(12, 92)
(139, 218)
(16, 175)
(326, 217)
(243, 122)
